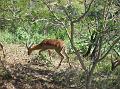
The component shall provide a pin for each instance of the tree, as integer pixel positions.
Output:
(100, 16)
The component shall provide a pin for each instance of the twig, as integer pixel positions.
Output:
(81, 17)
(113, 44)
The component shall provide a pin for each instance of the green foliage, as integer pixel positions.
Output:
(31, 20)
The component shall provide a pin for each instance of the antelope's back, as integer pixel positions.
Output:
(52, 43)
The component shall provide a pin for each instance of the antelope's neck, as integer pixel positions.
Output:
(35, 47)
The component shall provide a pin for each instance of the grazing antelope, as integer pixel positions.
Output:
(1, 49)
(47, 44)
(114, 64)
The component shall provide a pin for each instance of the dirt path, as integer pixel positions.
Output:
(26, 72)
(16, 54)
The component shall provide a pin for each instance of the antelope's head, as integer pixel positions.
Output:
(29, 49)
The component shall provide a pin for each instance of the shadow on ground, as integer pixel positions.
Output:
(30, 76)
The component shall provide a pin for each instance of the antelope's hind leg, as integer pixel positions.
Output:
(62, 57)
(68, 59)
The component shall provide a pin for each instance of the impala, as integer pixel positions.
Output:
(50, 44)
(1, 49)
(115, 64)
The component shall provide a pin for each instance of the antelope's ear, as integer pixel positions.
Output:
(30, 45)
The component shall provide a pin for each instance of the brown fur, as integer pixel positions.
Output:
(47, 44)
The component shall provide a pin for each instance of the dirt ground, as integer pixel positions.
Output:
(29, 72)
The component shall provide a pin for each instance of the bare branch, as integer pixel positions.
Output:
(113, 44)
(62, 23)
(65, 11)
(81, 17)
(50, 9)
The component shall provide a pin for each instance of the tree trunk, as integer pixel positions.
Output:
(89, 77)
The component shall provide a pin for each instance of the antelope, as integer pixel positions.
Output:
(50, 44)
(1, 49)
(115, 64)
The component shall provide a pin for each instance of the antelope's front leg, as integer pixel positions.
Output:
(49, 52)
(68, 59)
(4, 55)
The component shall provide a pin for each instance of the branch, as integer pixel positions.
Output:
(80, 58)
(57, 18)
(65, 11)
(81, 17)
(113, 44)
(115, 50)
(50, 10)
(92, 41)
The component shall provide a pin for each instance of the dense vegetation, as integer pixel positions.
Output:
(90, 29)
